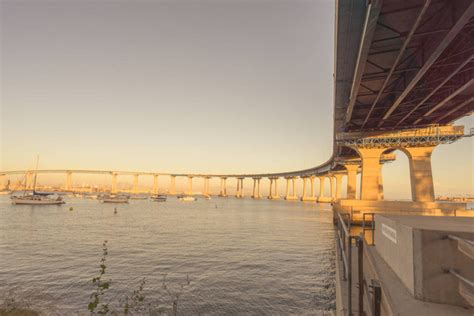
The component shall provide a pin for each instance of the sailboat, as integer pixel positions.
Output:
(36, 198)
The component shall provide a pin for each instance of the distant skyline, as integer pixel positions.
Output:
(180, 86)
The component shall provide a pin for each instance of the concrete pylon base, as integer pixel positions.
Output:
(256, 197)
(274, 197)
(222, 195)
(291, 198)
(309, 199)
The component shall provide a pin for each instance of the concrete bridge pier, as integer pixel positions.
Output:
(190, 186)
(206, 186)
(371, 168)
(135, 184)
(338, 177)
(114, 183)
(421, 177)
(256, 188)
(332, 189)
(351, 180)
(292, 196)
(305, 197)
(240, 188)
(155, 184)
(321, 197)
(223, 192)
(172, 190)
(2, 182)
(273, 193)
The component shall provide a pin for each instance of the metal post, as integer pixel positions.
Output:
(349, 276)
(360, 265)
(376, 298)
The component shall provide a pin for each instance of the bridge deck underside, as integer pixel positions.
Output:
(415, 66)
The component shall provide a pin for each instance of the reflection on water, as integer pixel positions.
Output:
(242, 256)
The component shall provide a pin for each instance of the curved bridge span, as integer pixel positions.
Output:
(403, 73)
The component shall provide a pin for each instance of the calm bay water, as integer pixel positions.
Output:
(242, 256)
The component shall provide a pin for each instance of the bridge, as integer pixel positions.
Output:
(403, 74)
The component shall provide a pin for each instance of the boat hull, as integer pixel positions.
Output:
(33, 202)
(114, 201)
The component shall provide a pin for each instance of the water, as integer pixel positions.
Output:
(242, 256)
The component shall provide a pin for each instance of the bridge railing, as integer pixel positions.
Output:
(371, 297)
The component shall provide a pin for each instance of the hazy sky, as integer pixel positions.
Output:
(177, 86)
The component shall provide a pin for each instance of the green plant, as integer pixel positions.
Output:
(95, 305)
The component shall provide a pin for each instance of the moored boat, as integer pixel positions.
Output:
(113, 198)
(158, 198)
(187, 198)
(37, 199)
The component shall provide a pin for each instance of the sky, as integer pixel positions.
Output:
(179, 86)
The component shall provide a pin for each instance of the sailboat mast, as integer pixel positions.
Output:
(36, 174)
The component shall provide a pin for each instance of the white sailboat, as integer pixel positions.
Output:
(36, 198)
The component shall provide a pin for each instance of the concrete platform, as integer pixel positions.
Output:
(358, 207)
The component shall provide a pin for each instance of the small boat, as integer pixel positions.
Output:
(36, 198)
(187, 198)
(158, 198)
(113, 198)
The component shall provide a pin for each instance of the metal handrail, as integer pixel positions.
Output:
(456, 238)
(461, 278)
(345, 251)
(372, 226)
(378, 297)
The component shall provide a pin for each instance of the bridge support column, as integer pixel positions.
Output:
(381, 195)
(270, 189)
(338, 177)
(331, 183)
(321, 189)
(114, 183)
(290, 193)
(190, 185)
(303, 196)
(370, 172)
(69, 181)
(135, 183)
(2, 182)
(172, 190)
(240, 188)
(155, 184)
(256, 188)
(312, 197)
(206, 186)
(276, 194)
(273, 192)
(421, 177)
(223, 192)
(352, 180)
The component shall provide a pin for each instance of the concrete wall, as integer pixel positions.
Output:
(396, 251)
(417, 250)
